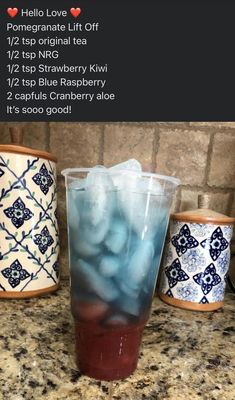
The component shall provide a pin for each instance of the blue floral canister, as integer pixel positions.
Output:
(29, 237)
(197, 260)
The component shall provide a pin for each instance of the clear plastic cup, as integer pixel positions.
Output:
(117, 222)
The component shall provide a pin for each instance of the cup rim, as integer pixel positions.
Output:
(176, 181)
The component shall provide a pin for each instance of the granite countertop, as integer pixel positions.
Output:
(185, 355)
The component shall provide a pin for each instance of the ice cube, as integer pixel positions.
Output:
(117, 320)
(76, 183)
(154, 221)
(124, 179)
(95, 234)
(130, 165)
(89, 310)
(150, 280)
(127, 174)
(109, 266)
(129, 290)
(152, 185)
(81, 246)
(98, 175)
(117, 237)
(96, 283)
(99, 199)
(129, 305)
(140, 263)
(143, 205)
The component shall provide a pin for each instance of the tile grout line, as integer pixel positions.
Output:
(155, 149)
(209, 159)
(230, 202)
(101, 145)
(207, 188)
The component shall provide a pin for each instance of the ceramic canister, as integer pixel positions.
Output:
(29, 238)
(197, 260)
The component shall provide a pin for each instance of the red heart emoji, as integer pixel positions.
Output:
(75, 12)
(12, 12)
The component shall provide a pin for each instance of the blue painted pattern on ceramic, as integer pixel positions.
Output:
(201, 255)
(29, 236)
(184, 240)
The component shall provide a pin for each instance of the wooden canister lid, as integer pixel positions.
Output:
(203, 216)
(17, 148)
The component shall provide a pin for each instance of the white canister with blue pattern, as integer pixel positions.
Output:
(29, 237)
(197, 260)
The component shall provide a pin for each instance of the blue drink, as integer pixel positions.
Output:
(117, 222)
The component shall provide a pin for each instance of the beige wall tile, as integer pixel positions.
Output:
(183, 154)
(189, 199)
(122, 142)
(222, 168)
(232, 211)
(76, 144)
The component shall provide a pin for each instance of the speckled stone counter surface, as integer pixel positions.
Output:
(185, 355)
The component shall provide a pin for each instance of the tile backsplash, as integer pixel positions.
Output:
(201, 154)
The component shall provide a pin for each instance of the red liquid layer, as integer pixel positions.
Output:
(107, 353)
